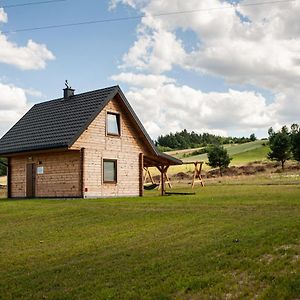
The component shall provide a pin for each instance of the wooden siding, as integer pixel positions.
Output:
(61, 176)
(125, 148)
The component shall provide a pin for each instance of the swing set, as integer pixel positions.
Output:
(197, 177)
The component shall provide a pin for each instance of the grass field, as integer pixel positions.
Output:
(226, 242)
(257, 154)
(232, 149)
(241, 154)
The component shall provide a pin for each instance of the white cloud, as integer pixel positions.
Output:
(34, 93)
(13, 104)
(167, 107)
(256, 45)
(142, 80)
(156, 52)
(3, 16)
(33, 56)
(263, 52)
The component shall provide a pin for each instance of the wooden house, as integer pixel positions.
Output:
(86, 145)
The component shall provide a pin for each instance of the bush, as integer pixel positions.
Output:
(218, 158)
(280, 145)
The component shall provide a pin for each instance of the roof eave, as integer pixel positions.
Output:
(37, 150)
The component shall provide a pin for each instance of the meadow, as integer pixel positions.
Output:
(241, 154)
(229, 241)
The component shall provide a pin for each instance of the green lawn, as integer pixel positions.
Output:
(226, 242)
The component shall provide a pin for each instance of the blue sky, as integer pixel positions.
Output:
(227, 71)
(86, 55)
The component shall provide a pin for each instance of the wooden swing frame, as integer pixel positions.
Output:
(164, 178)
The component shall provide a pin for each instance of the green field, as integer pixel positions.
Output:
(256, 155)
(232, 149)
(241, 154)
(226, 242)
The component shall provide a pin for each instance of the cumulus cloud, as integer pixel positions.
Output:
(262, 51)
(13, 104)
(245, 45)
(33, 56)
(177, 107)
(143, 80)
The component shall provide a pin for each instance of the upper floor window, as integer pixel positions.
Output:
(113, 123)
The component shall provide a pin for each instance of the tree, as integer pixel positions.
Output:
(280, 145)
(252, 137)
(295, 141)
(218, 157)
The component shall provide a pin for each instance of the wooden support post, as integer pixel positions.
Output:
(163, 170)
(8, 178)
(197, 173)
(141, 175)
(81, 177)
(162, 181)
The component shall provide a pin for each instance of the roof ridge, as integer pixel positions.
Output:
(76, 95)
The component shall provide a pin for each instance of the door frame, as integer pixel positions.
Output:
(30, 180)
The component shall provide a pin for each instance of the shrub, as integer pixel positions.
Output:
(218, 158)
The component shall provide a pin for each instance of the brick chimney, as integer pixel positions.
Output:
(68, 91)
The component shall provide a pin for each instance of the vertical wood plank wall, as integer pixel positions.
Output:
(60, 178)
(98, 146)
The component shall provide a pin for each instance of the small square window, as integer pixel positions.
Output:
(113, 124)
(109, 171)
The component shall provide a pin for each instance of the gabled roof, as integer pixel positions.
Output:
(58, 123)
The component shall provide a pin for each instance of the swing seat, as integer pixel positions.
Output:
(151, 186)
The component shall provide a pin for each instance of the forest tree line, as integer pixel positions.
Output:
(186, 140)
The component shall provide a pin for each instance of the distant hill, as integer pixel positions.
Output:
(247, 152)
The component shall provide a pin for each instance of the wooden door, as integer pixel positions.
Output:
(30, 180)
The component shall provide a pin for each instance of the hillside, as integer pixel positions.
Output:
(233, 149)
(241, 154)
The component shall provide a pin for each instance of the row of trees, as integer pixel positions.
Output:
(185, 139)
(284, 144)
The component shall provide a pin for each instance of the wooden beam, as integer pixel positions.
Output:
(163, 170)
(197, 173)
(33, 152)
(81, 177)
(8, 178)
(162, 182)
(147, 173)
(141, 174)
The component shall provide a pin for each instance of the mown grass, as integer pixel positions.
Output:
(258, 154)
(226, 242)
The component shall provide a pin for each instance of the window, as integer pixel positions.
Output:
(109, 171)
(113, 124)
